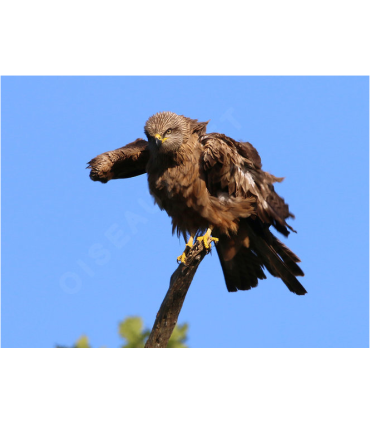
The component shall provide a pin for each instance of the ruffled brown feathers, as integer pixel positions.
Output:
(204, 180)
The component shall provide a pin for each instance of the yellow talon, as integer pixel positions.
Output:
(207, 239)
(204, 239)
(182, 258)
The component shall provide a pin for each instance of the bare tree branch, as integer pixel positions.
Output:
(169, 311)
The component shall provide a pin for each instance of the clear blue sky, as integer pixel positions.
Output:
(62, 276)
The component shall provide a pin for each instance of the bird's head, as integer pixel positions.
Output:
(167, 131)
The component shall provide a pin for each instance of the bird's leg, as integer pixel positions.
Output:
(207, 238)
(190, 243)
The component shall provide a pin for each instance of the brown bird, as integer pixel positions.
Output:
(212, 185)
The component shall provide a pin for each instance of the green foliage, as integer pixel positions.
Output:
(82, 342)
(178, 337)
(132, 331)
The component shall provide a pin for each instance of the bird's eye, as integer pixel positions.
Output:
(168, 131)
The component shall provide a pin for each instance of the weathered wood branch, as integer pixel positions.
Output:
(169, 311)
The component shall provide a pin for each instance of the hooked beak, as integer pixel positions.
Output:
(159, 140)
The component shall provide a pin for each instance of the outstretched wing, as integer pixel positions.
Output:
(125, 162)
(234, 169)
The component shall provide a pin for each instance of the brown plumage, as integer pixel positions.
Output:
(209, 180)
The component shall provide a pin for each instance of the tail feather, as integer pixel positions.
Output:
(244, 270)
(288, 257)
(277, 265)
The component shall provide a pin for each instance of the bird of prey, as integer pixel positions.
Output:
(215, 190)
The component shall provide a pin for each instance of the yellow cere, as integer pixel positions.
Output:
(160, 138)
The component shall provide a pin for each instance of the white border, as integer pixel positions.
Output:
(192, 38)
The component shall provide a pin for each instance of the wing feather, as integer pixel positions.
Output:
(125, 162)
(225, 167)
(234, 169)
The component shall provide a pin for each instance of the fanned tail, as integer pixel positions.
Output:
(243, 269)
